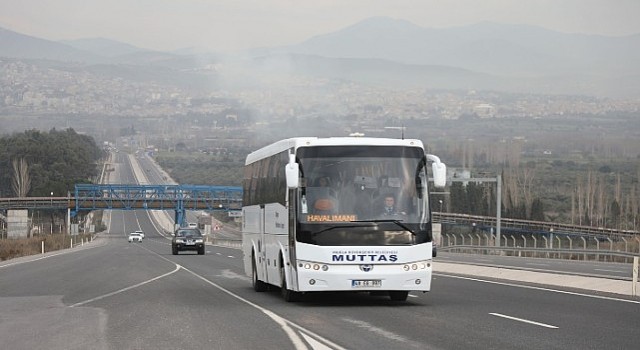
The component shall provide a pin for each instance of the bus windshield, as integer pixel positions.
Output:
(363, 195)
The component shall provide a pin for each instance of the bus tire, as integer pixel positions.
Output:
(287, 294)
(398, 295)
(258, 285)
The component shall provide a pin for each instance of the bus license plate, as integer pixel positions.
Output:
(366, 283)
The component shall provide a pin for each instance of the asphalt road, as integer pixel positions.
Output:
(112, 294)
(610, 270)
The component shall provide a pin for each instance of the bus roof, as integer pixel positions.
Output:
(297, 142)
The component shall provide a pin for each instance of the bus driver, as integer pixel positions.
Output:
(390, 206)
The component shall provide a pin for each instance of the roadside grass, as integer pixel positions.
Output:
(14, 248)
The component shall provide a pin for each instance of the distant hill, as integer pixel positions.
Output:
(484, 47)
(18, 45)
(391, 52)
(103, 47)
(518, 57)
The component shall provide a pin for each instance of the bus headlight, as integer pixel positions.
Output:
(419, 265)
(313, 266)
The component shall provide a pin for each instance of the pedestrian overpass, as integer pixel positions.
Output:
(179, 198)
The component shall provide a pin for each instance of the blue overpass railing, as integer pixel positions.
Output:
(159, 197)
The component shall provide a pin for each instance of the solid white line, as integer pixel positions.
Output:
(315, 345)
(538, 288)
(178, 267)
(603, 270)
(523, 320)
(287, 325)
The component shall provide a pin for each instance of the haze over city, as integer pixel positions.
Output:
(233, 25)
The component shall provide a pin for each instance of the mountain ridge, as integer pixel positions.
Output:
(490, 55)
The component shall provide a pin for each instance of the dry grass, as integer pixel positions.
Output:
(14, 248)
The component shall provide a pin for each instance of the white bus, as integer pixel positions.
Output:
(314, 217)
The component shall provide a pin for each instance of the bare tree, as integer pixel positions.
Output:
(21, 183)
(525, 183)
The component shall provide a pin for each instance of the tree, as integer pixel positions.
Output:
(56, 161)
(21, 183)
(537, 210)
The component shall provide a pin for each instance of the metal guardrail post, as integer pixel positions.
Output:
(634, 279)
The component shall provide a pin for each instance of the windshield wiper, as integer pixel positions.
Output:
(395, 221)
(341, 226)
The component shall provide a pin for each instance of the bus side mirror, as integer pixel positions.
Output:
(439, 174)
(292, 173)
(439, 171)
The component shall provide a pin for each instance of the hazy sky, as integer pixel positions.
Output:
(236, 24)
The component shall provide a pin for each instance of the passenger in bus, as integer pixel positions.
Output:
(389, 206)
(324, 201)
(323, 182)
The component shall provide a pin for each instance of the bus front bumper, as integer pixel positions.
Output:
(405, 277)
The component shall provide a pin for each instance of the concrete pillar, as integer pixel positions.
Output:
(437, 233)
(17, 223)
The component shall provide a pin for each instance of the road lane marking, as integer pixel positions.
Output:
(523, 320)
(178, 267)
(536, 264)
(376, 330)
(315, 345)
(604, 270)
(538, 288)
(287, 325)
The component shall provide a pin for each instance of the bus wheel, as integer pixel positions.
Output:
(398, 295)
(287, 294)
(258, 285)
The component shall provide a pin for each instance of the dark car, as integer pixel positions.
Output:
(187, 239)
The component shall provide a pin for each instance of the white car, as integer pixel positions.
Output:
(135, 237)
(140, 233)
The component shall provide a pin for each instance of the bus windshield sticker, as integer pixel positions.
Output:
(332, 218)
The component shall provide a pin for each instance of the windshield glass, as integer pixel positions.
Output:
(188, 233)
(363, 195)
